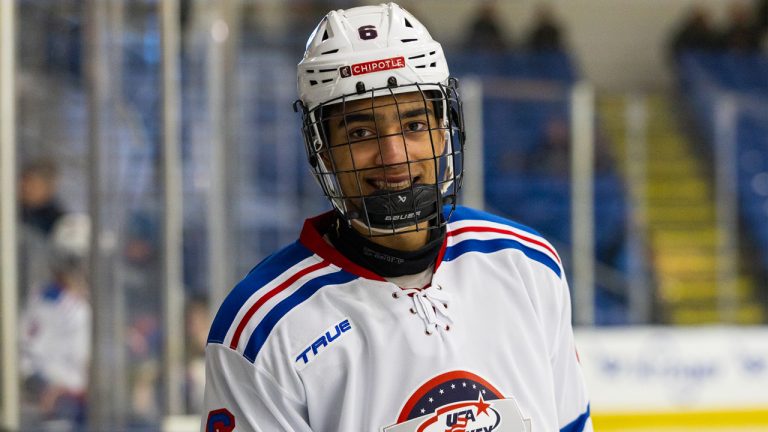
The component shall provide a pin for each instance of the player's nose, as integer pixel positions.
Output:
(392, 149)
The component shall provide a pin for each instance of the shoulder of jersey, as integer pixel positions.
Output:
(471, 230)
(277, 285)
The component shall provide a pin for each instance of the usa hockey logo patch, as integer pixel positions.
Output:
(459, 401)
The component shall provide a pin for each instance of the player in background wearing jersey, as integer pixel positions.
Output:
(398, 310)
(55, 330)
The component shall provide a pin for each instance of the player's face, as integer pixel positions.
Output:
(388, 143)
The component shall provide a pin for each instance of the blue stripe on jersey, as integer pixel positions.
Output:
(466, 213)
(267, 270)
(578, 424)
(494, 245)
(264, 328)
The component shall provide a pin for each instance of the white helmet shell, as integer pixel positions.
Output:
(368, 45)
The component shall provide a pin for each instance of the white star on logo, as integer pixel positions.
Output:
(431, 400)
(441, 391)
(453, 386)
(474, 386)
(463, 384)
(423, 410)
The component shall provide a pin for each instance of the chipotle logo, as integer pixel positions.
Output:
(372, 66)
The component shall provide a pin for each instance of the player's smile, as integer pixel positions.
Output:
(391, 182)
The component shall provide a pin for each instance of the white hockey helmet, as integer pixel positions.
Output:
(70, 242)
(368, 44)
(368, 52)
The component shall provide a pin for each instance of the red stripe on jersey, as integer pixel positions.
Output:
(276, 290)
(441, 254)
(312, 238)
(503, 231)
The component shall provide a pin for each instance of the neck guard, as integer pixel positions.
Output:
(382, 260)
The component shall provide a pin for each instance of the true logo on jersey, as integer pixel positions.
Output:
(463, 417)
(322, 342)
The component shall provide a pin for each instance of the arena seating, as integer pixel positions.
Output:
(705, 78)
(527, 176)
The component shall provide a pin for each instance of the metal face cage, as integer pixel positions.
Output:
(389, 158)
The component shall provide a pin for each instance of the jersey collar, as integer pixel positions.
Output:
(312, 238)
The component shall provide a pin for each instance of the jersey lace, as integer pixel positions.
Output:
(431, 305)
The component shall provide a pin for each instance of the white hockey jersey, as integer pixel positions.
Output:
(55, 332)
(309, 341)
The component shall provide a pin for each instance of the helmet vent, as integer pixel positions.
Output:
(408, 23)
(325, 35)
(330, 52)
(408, 40)
(327, 80)
(312, 82)
(417, 56)
(327, 70)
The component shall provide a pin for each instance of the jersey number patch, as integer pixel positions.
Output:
(220, 420)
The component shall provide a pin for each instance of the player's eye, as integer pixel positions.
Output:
(416, 126)
(358, 134)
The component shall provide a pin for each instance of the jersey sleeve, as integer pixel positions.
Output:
(570, 388)
(242, 397)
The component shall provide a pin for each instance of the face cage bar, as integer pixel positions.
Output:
(448, 166)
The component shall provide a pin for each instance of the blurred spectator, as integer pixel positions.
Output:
(140, 256)
(484, 32)
(762, 17)
(39, 211)
(545, 34)
(695, 33)
(40, 208)
(551, 155)
(762, 23)
(55, 331)
(742, 33)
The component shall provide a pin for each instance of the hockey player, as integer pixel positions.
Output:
(398, 310)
